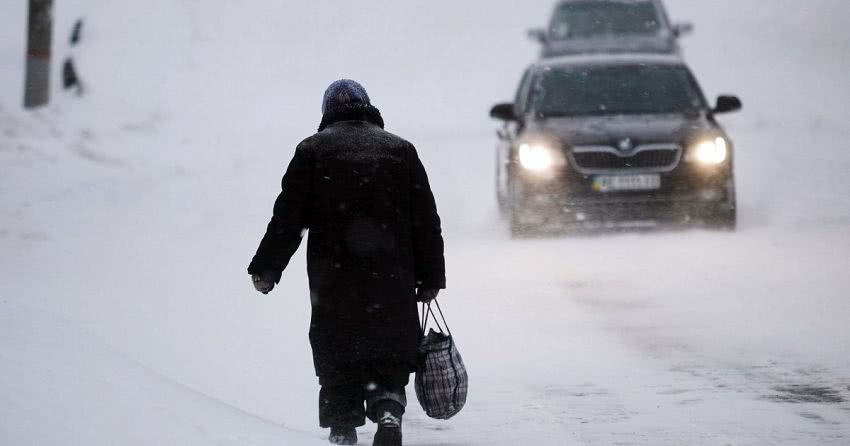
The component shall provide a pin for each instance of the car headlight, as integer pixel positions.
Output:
(711, 152)
(540, 157)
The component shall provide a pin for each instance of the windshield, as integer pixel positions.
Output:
(626, 89)
(596, 18)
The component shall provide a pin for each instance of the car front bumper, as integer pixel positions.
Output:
(688, 192)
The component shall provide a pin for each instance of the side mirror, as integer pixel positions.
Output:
(503, 112)
(538, 35)
(682, 29)
(727, 104)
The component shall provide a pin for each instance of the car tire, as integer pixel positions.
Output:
(723, 220)
(514, 210)
(502, 195)
(521, 229)
(501, 199)
(516, 227)
(726, 216)
(503, 205)
(524, 225)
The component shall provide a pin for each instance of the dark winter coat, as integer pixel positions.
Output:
(374, 236)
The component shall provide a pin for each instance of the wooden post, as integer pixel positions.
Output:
(39, 35)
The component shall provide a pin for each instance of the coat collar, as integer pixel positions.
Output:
(355, 112)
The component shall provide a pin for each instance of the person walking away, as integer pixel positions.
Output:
(375, 248)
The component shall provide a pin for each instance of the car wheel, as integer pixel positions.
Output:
(519, 228)
(502, 179)
(514, 213)
(501, 196)
(503, 205)
(725, 217)
(726, 220)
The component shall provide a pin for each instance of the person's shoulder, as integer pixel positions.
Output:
(395, 140)
(312, 144)
(309, 142)
(376, 135)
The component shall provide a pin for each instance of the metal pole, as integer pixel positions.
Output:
(39, 36)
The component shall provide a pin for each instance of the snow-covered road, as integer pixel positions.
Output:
(128, 218)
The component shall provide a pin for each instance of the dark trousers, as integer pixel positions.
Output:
(342, 405)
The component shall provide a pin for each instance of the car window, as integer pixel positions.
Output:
(625, 89)
(581, 19)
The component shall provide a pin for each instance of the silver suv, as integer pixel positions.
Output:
(610, 26)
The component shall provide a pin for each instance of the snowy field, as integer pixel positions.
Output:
(128, 217)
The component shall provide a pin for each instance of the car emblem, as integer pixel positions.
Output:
(626, 145)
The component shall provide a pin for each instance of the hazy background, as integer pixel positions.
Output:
(128, 217)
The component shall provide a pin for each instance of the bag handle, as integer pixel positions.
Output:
(428, 313)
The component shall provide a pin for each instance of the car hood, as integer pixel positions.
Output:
(611, 130)
(611, 44)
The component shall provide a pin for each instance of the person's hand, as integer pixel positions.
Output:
(426, 295)
(265, 282)
(262, 285)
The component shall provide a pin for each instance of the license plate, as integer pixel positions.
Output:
(614, 183)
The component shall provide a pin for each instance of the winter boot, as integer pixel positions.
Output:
(343, 435)
(389, 426)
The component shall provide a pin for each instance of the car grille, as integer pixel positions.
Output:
(604, 159)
